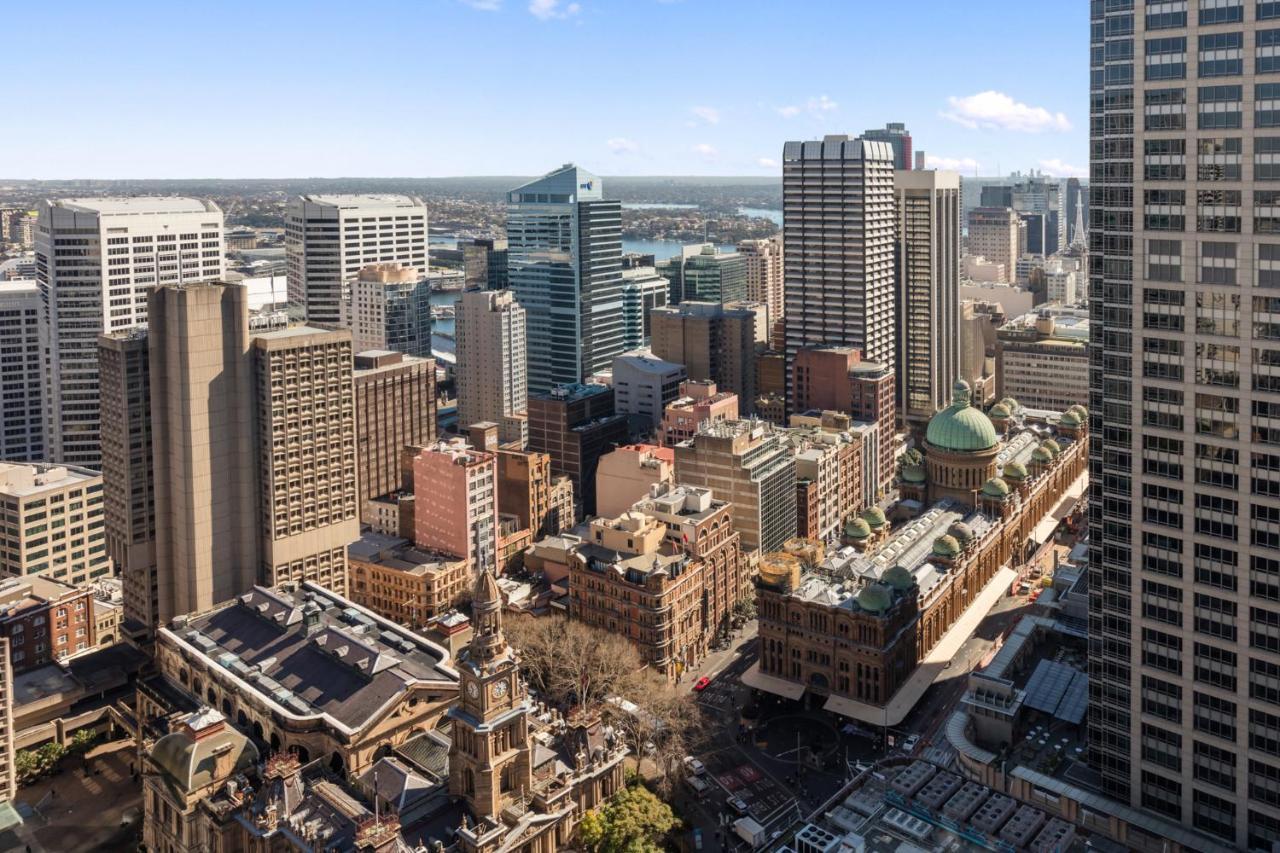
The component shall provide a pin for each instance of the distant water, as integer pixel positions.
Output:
(769, 213)
(648, 205)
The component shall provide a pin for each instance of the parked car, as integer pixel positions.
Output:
(701, 684)
(695, 766)
(909, 745)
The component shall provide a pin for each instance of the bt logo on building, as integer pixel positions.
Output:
(585, 186)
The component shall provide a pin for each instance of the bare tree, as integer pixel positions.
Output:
(662, 725)
(569, 663)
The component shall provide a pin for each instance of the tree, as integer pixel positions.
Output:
(666, 726)
(745, 609)
(568, 663)
(83, 741)
(49, 754)
(632, 821)
(26, 765)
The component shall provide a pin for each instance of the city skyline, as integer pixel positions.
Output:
(679, 117)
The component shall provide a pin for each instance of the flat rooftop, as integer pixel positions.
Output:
(399, 554)
(144, 205)
(347, 667)
(364, 200)
(25, 479)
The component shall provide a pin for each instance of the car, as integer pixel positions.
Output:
(738, 805)
(701, 684)
(695, 766)
(909, 745)
(697, 839)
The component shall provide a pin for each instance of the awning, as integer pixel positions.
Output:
(753, 677)
(1061, 510)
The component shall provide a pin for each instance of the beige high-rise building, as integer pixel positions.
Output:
(993, 234)
(128, 484)
(395, 407)
(96, 261)
(714, 342)
(254, 450)
(390, 309)
(838, 217)
(205, 459)
(748, 464)
(55, 521)
(330, 237)
(492, 382)
(928, 339)
(765, 282)
(306, 451)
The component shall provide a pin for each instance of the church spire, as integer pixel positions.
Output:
(487, 641)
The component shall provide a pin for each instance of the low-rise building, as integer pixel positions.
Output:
(399, 581)
(642, 387)
(626, 475)
(55, 523)
(456, 502)
(1042, 358)
(45, 620)
(699, 404)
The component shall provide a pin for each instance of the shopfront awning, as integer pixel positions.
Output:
(753, 677)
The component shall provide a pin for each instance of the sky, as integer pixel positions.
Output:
(435, 88)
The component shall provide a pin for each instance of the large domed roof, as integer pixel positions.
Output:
(188, 763)
(874, 516)
(857, 528)
(946, 546)
(1015, 471)
(995, 488)
(960, 426)
(874, 598)
(898, 578)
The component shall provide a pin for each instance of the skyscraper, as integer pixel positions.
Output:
(484, 261)
(1184, 558)
(993, 234)
(642, 291)
(96, 261)
(928, 262)
(329, 238)
(565, 266)
(391, 310)
(714, 342)
(896, 134)
(22, 410)
(703, 273)
(395, 407)
(490, 336)
(838, 237)
(764, 282)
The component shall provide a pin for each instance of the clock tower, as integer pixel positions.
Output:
(490, 758)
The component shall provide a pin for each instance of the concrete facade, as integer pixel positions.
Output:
(22, 415)
(55, 527)
(395, 407)
(490, 331)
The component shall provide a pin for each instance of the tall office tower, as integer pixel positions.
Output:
(642, 291)
(703, 273)
(920, 159)
(330, 238)
(306, 454)
(491, 345)
(748, 464)
(22, 377)
(1184, 425)
(576, 425)
(838, 218)
(395, 408)
(128, 482)
(993, 234)
(714, 342)
(391, 310)
(899, 138)
(455, 507)
(928, 339)
(205, 459)
(55, 527)
(765, 283)
(96, 261)
(484, 264)
(1044, 197)
(565, 265)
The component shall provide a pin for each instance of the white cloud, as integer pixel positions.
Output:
(954, 164)
(710, 115)
(814, 106)
(766, 163)
(991, 109)
(706, 152)
(483, 5)
(622, 145)
(1059, 169)
(545, 10)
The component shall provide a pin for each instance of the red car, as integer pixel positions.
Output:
(701, 684)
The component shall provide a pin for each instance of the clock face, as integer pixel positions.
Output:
(472, 689)
(499, 689)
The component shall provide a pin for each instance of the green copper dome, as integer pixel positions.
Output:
(1011, 404)
(857, 528)
(1081, 412)
(1041, 454)
(898, 578)
(913, 474)
(874, 516)
(946, 546)
(1014, 471)
(1052, 446)
(1070, 419)
(961, 531)
(874, 598)
(996, 488)
(999, 410)
(960, 426)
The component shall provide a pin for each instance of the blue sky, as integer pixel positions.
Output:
(153, 89)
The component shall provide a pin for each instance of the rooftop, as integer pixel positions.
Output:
(350, 200)
(25, 479)
(399, 554)
(344, 667)
(138, 205)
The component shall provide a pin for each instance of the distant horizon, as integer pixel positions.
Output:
(479, 177)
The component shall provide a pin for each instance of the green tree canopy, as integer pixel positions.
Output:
(632, 821)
